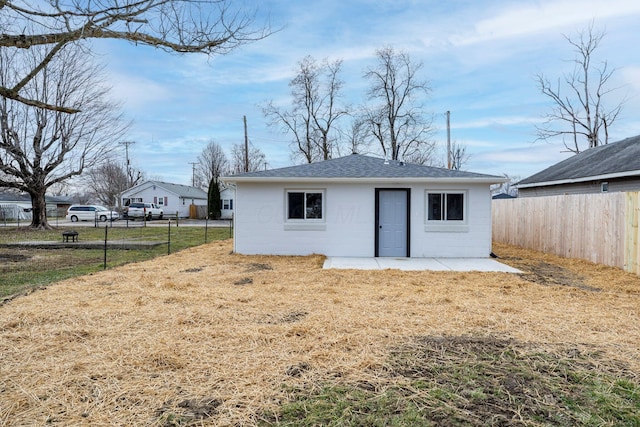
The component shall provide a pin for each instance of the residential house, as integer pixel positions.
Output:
(611, 167)
(174, 199)
(14, 206)
(227, 195)
(362, 206)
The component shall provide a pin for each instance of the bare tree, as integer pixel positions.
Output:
(509, 187)
(355, 138)
(212, 163)
(180, 26)
(579, 111)
(397, 119)
(257, 159)
(41, 147)
(315, 93)
(459, 156)
(106, 181)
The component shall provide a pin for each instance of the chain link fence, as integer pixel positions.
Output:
(32, 258)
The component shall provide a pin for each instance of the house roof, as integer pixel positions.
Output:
(14, 197)
(179, 190)
(503, 196)
(358, 167)
(616, 160)
(24, 197)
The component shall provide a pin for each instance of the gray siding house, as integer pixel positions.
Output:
(611, 167)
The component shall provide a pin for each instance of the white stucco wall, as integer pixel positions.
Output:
(349, 225)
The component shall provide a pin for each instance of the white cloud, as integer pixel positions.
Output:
(496, 121)
(137, 92)
(631, 77)
(519, 20)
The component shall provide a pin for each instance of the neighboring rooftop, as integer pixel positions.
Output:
(180, 190)
(618, 159)
(360, 166)
(24, 197)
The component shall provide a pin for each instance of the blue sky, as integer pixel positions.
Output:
(479, 56)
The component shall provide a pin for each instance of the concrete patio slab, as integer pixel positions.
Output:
(419, 264)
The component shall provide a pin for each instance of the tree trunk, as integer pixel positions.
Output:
(39, 209)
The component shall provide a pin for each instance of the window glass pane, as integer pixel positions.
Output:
(434, 207)
(455, 206)
(295, 205)
(314, 205)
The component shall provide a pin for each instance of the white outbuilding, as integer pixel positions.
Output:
(362, 206)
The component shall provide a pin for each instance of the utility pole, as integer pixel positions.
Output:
(246, 145)
(448, 140)
(126, 150)
(193, 174)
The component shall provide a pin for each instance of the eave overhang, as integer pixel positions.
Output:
(366, 180)
(581, 179)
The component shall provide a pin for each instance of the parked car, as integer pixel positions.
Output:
(77, 213)
(144, 210)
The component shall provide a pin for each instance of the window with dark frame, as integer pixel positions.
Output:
(304, 205)
(445, 206)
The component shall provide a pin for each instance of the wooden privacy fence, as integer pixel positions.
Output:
(602, 228)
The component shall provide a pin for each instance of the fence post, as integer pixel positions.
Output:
(206, 228)
(169, 238)
(105, 246)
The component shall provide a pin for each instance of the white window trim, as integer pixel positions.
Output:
(305, 224)
(451, 226)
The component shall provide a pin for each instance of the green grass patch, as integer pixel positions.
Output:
(460, 381)
(23, 268)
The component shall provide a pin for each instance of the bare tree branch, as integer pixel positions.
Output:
(398, 121)
(257, 159)
(582, 114)
(181, 26)
(315, 111)
(212, 164)
(107, 180)
(39, 147)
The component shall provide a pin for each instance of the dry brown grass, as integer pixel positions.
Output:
(212, 335)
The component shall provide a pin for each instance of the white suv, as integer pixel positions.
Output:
(90, 213)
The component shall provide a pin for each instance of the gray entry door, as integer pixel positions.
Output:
(392, 223)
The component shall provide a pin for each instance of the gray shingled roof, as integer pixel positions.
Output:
(13, 197)
(185, 191)
(360, 166)
(622, 157)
